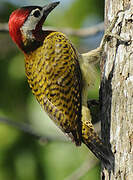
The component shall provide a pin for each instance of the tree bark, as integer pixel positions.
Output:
(116, 92)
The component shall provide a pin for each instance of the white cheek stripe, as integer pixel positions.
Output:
(30, 24)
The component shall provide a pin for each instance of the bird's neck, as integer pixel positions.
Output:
(32, 40)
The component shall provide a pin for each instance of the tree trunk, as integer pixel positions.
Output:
(116, 92)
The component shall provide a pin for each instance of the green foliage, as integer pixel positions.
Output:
(80, 10)
(5, 11)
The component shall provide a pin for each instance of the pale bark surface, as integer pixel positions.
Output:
(116, 94)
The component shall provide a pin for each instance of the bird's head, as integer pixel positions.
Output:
(25, 24)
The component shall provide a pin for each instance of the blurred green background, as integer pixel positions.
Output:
(22, 157)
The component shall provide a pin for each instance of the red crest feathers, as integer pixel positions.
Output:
(16, 20)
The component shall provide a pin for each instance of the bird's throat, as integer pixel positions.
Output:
(32, 40)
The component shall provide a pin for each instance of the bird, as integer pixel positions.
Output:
(59, 76)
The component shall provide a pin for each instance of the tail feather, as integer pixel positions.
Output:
(94, 143)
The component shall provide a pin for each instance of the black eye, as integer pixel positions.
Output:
(36, 13)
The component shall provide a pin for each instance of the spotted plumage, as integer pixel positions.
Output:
(54, 75)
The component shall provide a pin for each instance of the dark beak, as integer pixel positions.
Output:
(48, 8)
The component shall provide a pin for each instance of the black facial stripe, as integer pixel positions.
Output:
(32, 8)
(36, 13)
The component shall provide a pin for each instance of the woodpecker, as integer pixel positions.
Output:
(59, 76)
